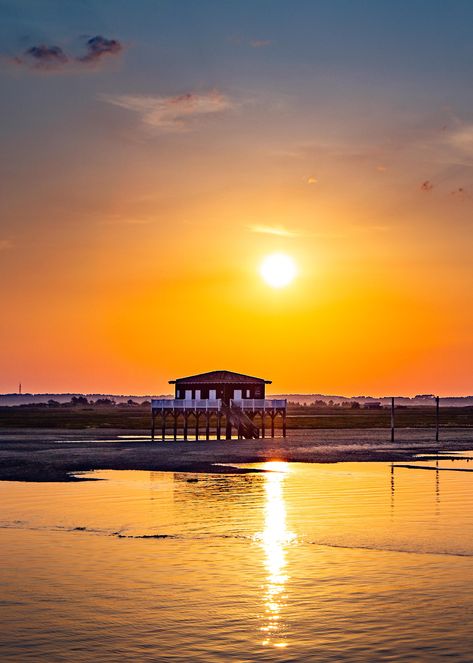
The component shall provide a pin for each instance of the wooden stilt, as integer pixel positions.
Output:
(207, 426)
(392, 419)
(437, 418)
(272, 424)
(163, 426)
(175, 426)
(263, 424)
(284, 424)
(196, 427)
(186, 418)
(153, 423)
(219, 424)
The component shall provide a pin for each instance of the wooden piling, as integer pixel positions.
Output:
(392, 419)
(153, 423)
(437, 418)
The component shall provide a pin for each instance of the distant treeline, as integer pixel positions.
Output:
(81, 401)
(82, 413)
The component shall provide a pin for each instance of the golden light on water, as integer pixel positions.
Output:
(274, 539)
(278, 270)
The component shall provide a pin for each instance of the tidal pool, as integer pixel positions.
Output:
(306, 562)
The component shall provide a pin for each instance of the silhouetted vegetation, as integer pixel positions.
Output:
(104, 413)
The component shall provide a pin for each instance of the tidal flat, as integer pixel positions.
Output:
(59, 455)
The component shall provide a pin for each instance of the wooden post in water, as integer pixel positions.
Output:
(153, 422)
(392, 419)
(163, 426)
(437, 417)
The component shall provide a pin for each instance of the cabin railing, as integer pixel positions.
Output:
(216, 403)
(186, 403)
(259, 403)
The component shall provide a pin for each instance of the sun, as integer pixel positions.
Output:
(278, 270)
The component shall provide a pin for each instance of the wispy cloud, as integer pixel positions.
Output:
(461, 193)
(260, 43)
(42, 57)
(98, 47)
(172, 113)
(461, 138)
(53, 58)
(272, 230)
(5, 244)
(126, 220)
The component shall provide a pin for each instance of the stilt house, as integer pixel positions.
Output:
(219, 398)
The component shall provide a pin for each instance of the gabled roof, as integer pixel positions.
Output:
(219, 376)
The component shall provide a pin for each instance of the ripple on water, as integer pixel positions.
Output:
(345, 562)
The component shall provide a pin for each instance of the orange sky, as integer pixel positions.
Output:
(138, 201)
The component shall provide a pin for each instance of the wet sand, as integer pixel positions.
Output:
(58, 455)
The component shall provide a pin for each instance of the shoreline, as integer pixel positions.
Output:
(33, 455)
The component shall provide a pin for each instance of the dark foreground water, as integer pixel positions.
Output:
(346, 562)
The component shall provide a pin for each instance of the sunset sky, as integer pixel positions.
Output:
(153, 153)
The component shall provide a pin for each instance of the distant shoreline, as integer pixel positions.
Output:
(57, 455)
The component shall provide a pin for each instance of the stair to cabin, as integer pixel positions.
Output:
(242, 422)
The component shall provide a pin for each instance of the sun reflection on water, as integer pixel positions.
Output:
(274, 538)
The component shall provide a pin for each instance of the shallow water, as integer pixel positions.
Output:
(344, 562)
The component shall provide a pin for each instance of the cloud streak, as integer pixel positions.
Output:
(171, 114)
(272, 230)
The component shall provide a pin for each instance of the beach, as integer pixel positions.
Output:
(60, 455)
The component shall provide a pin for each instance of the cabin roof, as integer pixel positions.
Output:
(219, 376)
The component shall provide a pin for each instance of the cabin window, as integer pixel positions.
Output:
(197, 394)
(248, 395)
(212, 394)
(237, 394)
(188, 394)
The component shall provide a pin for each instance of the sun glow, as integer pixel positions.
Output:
(278, 270)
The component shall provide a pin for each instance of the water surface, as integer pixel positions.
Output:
(307, 562)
